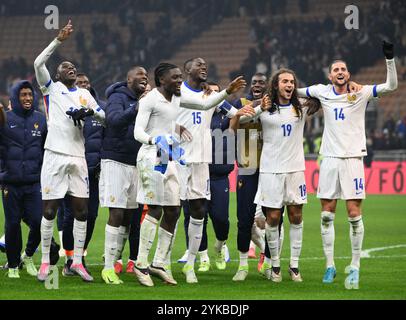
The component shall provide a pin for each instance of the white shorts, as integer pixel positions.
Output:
(194, 181)
(341, 178)
(276, 190)
(117, 185)
(63, 174)
(155, 188)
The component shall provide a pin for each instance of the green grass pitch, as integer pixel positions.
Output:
(383, 275)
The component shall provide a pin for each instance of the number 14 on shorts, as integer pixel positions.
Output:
(359, 185)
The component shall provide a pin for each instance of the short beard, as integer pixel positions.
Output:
(341, 85)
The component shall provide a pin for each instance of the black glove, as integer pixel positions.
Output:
(78, 115)
(387, 49)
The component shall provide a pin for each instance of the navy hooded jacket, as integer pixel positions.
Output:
(93, 132)
(22, 141)
(119, 143)
(219, 170)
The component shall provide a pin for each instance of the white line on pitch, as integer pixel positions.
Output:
(366, 253)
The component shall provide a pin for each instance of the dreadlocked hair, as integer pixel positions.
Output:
(162, 69)
(273, 92)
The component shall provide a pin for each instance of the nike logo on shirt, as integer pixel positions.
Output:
(13, 126)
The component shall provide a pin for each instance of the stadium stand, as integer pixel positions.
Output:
(234, 36)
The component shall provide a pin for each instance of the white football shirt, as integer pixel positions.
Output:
(282, 131)
(344, 120)
(197, 122)
(63, 136)
(156, 117)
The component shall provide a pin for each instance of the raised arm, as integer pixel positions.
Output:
(41, 72)
(214, 99)
(301, 92)
(391, 83)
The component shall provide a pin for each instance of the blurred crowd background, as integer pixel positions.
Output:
(234, 36)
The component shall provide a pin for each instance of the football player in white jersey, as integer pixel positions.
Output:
(64, 169)
(282, 165)
(158, 185)
(343, 147)
(194, 176)
(159, 181)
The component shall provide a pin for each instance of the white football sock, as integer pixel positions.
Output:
(121, 240)
(204, 256)
(296, 239)
(195, 231)
(281, 238)
(252, 245)
(163, 247)
(168, 256)
(356, 236)
(328, 236)
(147, 237)
(268, 260)
(61, 238)
(218, 246)
(258, 237)
(110, 246)
(272, 236)
(47, 228)
(243, 259)
(79, 237)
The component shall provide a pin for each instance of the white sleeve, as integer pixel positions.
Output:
(232, 112)
(301, 92)
(192, 102)
(141, 121)
(391, 83)
(41, 71)
(246, 119)
(310, 92)
(227, 109)
(98, 111)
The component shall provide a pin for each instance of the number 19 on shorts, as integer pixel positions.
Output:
(302, 189)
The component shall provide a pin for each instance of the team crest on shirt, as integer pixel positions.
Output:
(5, 192)
(351, 97)
(112, 199)
(36, 132)
(239, 184)
(47, 190)
(83, 101)
(150, 195)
